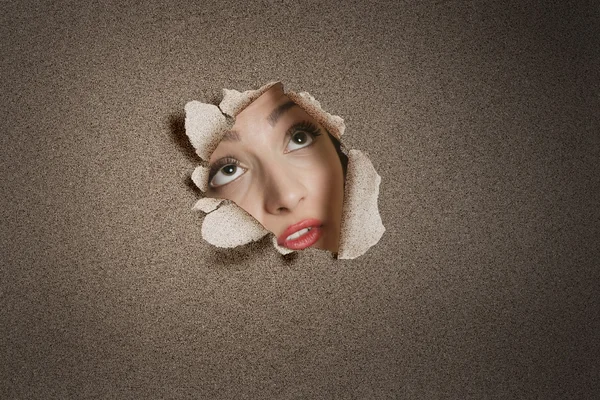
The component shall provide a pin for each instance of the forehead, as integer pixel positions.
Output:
(260, 108)
(253, 124)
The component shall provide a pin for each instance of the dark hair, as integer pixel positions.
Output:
(338, 148)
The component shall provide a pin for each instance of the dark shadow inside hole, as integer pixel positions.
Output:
(179, 137)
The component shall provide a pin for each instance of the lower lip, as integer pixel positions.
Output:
(306, 240)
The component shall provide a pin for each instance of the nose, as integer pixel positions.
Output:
(283, 190)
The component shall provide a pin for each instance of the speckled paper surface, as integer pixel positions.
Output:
(480, 117)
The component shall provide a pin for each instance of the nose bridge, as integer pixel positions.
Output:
(283, 189)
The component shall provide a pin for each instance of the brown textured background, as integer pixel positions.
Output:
(482, 119)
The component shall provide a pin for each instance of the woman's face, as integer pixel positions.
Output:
(280, 166)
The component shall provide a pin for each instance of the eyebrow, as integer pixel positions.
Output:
(278, 112)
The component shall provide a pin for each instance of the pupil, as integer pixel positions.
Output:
(229, 169)
(300, 138)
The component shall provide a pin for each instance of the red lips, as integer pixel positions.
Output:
(304, 241)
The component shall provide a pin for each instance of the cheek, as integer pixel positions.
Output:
(323, 176)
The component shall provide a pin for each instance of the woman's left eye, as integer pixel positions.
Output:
(302, 138)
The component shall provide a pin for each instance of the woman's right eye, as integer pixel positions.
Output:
(225, 174)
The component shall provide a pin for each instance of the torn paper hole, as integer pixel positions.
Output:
(229, 225)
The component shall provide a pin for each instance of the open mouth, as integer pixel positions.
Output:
(301, 235)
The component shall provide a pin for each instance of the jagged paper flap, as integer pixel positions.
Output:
(361, 222)
(234, 102)
(207, 204)
(205, 125)
(200, 177)
(229, 226)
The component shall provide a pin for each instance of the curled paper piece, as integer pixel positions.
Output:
(223, 238)
(200, 177)
(361, 222)
(207, 204)
(205, 125)
(230, 226)
(282, 250)
(234, 102)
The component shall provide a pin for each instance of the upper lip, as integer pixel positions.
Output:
(307, 223)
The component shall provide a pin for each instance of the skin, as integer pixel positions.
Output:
(281, 180)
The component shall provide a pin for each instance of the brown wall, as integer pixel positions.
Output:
(482, 120)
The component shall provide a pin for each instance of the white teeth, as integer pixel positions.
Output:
(297, 234)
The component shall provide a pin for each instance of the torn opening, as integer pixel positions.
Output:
(275, 164)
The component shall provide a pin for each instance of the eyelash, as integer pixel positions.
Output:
(304, 126)
(228, 160)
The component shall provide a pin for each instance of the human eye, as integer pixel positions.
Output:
(301, 135)
(224, 171)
